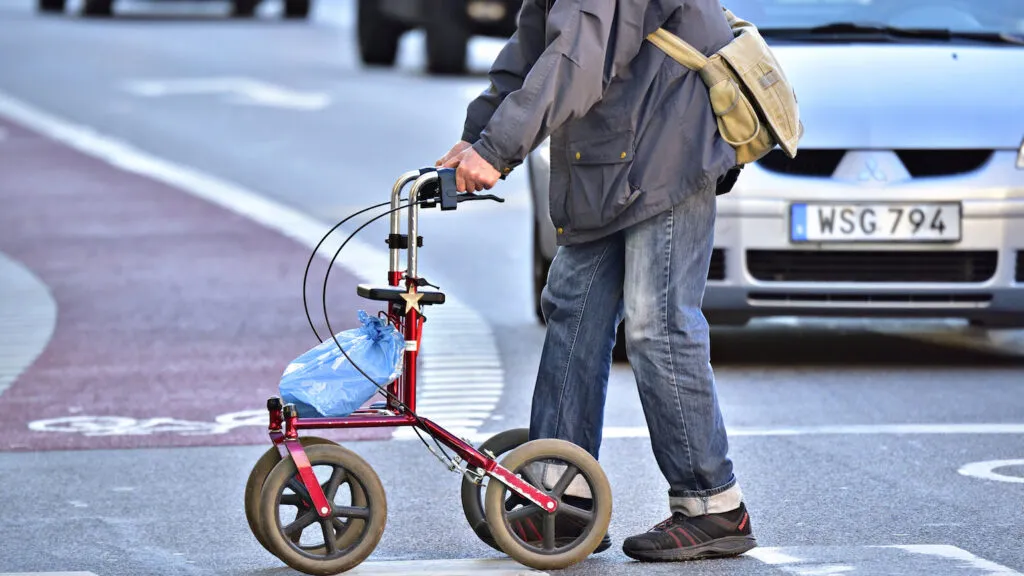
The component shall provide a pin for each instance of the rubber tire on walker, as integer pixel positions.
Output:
(258, 476)
(472, 493)
(360, 541)
(588, 468)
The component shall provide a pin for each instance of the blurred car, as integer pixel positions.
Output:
(291, 9)
(449, 25)
(906, 198)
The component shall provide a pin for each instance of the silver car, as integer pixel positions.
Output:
(906, 198)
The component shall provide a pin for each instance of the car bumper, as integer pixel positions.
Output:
(760, 272)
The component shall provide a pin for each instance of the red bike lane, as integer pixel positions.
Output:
(174, 317)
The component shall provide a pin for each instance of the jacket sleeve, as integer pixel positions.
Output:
(569, 77)
(510, 67)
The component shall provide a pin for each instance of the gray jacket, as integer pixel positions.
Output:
(632, 131)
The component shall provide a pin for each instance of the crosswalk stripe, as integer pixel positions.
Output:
(47, 574)
(489, 567)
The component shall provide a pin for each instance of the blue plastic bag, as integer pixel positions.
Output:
(323, 383)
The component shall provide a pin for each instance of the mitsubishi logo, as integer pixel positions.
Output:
(872, 171)
(872, 168)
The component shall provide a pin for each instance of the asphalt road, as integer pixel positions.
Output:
(851, 440)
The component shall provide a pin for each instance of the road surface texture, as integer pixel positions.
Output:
(163, 178)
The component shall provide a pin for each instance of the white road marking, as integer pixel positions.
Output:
(28, 317)
(469, 567)
(773, 556)
(233, 90)
(986, 567)
(986, 470)
(466, 410)
(47, 574)
(852, 429)
(893, 559)
(360, 257)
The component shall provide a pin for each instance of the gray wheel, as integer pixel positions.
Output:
(567, 462)
(322, 546)
(258, 476)
(472, 494)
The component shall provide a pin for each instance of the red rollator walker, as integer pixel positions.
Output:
(329, 522)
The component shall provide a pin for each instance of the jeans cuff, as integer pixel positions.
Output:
(714, 501)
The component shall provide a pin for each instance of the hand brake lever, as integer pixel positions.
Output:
(449, 195)
(469, 196)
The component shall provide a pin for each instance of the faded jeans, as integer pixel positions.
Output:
(652, 275)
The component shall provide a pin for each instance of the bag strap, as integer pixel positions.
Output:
(687, 55)
(678, 49)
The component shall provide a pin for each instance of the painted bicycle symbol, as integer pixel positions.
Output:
(125, 426)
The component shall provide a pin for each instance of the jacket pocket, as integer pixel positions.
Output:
(599, 187)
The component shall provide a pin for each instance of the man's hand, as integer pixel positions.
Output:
(472, 172)
(455, 151)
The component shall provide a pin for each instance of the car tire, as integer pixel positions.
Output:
(734, 319)
(51, 5)
(447, 38)
(378, 35)
(98, 8)
(619, 351)
(297, 9)
(244, 8)
(541, 265)
(999, 322)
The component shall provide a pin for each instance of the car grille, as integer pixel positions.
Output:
(820, 163)
(924, 163)
(717, 269)
(919, 163)
(879, 300)
(871, 266)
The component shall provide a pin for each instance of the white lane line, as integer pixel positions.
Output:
(28, 317)
(886, 559)
(468, 567)
(968, 560)
(772, 556)
(47, 574)
(987, 470)
(360, 257)
(232, 90)
(853, 430)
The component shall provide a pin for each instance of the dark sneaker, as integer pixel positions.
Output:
(567, 529)
(689, 538)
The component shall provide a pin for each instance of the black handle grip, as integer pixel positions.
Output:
(465, 197)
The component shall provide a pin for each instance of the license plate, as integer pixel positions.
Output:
(828, 222)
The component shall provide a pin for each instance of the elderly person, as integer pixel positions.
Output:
(635, 162)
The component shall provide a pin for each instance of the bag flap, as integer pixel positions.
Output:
(756, 67)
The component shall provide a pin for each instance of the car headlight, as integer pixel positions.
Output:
(1020, 156)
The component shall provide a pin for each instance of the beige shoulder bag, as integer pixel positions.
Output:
(754, 103)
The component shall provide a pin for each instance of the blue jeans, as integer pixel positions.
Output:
(652, 275)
